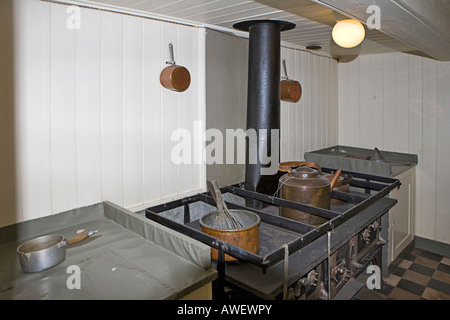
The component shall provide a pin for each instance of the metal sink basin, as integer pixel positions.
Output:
(362, 160)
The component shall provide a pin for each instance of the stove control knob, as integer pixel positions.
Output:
(310, 279)
(356, 264)
(375, 225)
(366, 235)
(323, 294)
(346, 274)
(381, 241)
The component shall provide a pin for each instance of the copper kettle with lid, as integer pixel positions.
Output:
(303, 183)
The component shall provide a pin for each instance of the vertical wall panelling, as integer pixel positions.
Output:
(311, 123)
(323, 102)
(328, 102)
(389, 105)
(317, 107)
(32, 99)
(335, 101)
(284, 113)
(185, 107)
(93, 123)
(320, 88)
(365, 102)
(292, 109)
(88, 104)
(112, 108)
(318, 102)
(415, 116)
(376, 113)
(343, 100)
(299, 123)
(407, 104)
(199, 106)
(312, 101)
(225, 101)
(132, 112)
(443, 153)
(353, 120)
(63, 111)
(169, 116)
(151, 115)
(426, 213)
(401, 102)
(305, 104)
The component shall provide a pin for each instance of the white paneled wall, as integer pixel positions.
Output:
(401, 103)
(306, 125)
(92, 121)
(311, 123)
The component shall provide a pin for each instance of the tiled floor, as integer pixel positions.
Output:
(419, 275)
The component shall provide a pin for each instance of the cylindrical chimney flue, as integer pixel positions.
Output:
(263, 100)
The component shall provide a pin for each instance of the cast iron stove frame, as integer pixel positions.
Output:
(375, 188)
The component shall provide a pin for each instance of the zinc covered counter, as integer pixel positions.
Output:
(130, 257)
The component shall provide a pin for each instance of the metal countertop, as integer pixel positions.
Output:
(129, 258)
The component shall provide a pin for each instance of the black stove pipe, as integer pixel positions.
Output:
(263, 100)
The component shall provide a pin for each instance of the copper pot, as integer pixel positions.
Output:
(174, 77)
(246, 238)
(291, 90)
(305, 185)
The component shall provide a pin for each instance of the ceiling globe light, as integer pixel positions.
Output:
(348, 33)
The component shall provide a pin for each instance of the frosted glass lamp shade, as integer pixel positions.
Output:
(348, 33)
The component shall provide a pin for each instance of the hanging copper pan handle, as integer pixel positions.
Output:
(288, 165)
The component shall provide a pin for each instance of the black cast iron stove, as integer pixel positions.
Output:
(295, 260)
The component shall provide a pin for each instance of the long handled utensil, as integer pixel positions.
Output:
(226, 218)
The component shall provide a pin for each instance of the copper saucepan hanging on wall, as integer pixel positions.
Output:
(174, 77)
(291, 90)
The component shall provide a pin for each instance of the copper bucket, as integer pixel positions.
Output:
(246, 238)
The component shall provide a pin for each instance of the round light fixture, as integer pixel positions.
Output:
(348, 33)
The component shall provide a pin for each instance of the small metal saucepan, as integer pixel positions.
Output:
(174, 77)
(290, 90)
(47, 251)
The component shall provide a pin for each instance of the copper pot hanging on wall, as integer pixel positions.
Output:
(290, 90)
(174, 77)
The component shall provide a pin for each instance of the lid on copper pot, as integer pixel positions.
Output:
(305, 177)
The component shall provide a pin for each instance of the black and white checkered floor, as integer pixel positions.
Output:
(420, 275)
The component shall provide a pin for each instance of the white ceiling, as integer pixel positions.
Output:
(313, 21)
